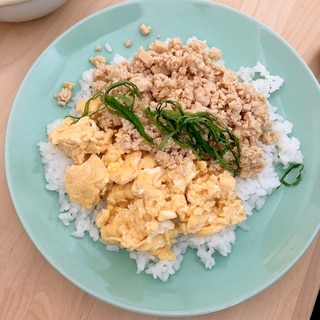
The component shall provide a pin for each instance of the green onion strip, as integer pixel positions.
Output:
(202, 132)
(297, 166)
(119, 104)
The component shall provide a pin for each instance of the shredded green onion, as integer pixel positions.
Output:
(296, 166)
(119, 104)
(202, 132)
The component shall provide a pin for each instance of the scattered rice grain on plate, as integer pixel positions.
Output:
(108, 47)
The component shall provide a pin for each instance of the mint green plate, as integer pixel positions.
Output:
(280, 233)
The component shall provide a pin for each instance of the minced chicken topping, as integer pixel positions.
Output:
(151, 195)
(64, 96)
(145, 29)
(191, 75)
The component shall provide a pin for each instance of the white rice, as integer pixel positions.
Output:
(253, 191)
(108, 47)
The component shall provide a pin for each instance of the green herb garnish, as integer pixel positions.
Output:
(296, 166)
(202, 132)
(121, 104)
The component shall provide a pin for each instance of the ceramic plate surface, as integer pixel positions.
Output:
(279, 234)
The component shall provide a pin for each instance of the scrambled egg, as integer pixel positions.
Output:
(147, 204)
(86, 182)
(81, 139)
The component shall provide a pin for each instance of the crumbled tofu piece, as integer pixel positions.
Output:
(99, 85)
(99, 61)
(145, 29)
(159, 47)
(167, 215)
(64, 96)
(68, 85)
(127, 43)
(215, 54)
(145, 57)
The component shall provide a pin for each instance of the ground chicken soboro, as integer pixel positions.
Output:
(189, 74)
(64, 96)
(153, 195)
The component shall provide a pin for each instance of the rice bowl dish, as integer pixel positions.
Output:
(252, 189)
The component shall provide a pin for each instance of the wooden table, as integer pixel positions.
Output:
(29, 287)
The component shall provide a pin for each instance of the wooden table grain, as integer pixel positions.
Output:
(29, 287)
